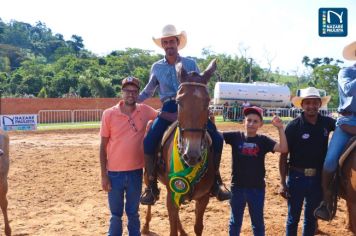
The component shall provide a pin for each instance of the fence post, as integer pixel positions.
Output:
(72, 116)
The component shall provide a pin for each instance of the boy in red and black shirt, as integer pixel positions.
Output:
(248, 168)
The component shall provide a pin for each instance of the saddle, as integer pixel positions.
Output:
(349, 147)
(158, 155)
(168, 133)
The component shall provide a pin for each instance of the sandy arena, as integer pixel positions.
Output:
(54, 189)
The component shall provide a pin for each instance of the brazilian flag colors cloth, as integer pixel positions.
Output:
(182, 178)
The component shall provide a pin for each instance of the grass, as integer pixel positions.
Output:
(96, 124)
(266, 120)
(81, 125)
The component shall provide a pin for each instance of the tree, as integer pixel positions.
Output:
(325, 77)
(76, 43)
(84, 91)
(42, 93)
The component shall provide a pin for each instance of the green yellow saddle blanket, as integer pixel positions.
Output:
(182, 178)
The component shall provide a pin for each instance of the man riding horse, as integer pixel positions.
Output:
(164, 77)
(345, 129)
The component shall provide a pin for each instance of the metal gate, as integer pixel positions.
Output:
(69, 116)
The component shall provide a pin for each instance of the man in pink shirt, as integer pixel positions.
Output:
(121, 156)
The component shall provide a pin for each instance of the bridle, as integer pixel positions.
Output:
(191, 129)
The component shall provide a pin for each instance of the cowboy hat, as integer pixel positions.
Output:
(309, 92)
(169, 31)
(349, 52)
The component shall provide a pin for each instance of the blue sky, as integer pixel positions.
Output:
(279, 31)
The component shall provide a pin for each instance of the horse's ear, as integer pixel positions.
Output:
(209, 71)
(181, 72)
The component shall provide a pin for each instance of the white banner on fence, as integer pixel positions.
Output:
(19, 122)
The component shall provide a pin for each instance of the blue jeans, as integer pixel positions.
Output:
(303, 189)
(160, 125)
(123, 183)
(254, 198)
(338, 143)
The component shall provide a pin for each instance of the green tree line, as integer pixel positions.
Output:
(36, 62)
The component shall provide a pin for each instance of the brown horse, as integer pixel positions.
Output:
(348, 184)
(194, 146)
(4, 170)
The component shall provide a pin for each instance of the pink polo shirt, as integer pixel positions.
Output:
(125, 146)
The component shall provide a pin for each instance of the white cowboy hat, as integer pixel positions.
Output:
(349, 52)
(309, 92)
(169, 31)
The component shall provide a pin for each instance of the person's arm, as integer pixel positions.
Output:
(283, 170)
(149, 89)
(282, 146)
(347, 82)
(105, 182)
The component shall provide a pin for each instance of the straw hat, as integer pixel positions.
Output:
(309, 92)
(349, 52)
(169, 31)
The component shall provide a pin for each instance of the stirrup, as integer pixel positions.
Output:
(148, 197)
(323, 212)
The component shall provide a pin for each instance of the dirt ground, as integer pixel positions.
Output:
(54, 189)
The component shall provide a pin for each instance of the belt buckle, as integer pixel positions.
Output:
(309, 172)
(168, 99)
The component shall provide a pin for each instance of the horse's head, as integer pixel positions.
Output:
(193, 112)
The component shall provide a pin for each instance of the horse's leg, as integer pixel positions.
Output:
(146, 226)
(200, 207)
(173, 215)
(3, 206)
(351, 208)
(180, 228)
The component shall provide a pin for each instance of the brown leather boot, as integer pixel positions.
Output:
(219, 190)
(151, 193)
(324, 211)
